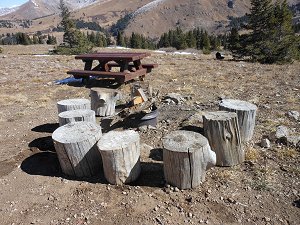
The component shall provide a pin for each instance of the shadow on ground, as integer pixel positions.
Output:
(151, 175)
(46, 128)
(194, 129)
(42, 144)
(156, 154)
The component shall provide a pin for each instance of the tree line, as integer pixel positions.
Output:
(24, 39)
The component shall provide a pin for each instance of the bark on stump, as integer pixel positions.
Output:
(222, 131)
(76, 116)
(72, 104)
(76, 148)
(120, 151)
(187, 155)
(103, 101)
(246, 113)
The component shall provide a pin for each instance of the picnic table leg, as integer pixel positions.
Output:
(124, 66)
(137, 64)
(87, 66)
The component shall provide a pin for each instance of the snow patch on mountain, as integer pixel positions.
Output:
(4, 11)
(148, 7)
(35, 4)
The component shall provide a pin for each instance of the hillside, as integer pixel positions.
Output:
(150, 18)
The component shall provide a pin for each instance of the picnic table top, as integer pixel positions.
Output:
(111, 56)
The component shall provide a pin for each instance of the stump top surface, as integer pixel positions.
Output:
(220, 115)
(74, 101)
(114, 140)
(76, 113)
(237, 104)
(104, 90)
(76, 132)
(184, 141)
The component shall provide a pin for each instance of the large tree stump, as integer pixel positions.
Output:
(222, 131)
(120, 151)
(103, 101)
(187, 155)
(72, 104)
(246, 113)
(76, 116)
(76, 148)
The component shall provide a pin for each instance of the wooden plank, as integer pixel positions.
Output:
(144, 65)
(113, 56)
(120, 76)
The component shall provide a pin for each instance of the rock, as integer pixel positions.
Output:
(293, 141)
(231, 200)
(293, 115)
(174, 98)
(176, 189)
(282, 132)
(190, 215)
(265, 143)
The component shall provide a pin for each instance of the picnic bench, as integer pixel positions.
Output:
(127, 66)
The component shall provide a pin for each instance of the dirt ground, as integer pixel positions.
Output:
(262, 190)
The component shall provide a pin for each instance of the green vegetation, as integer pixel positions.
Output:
(121, 24)
(1, 50)
(135, 41)
(24, 39)
(51, 40)
(80, 24)
(271, 38)
(197, 38)
(74, 41)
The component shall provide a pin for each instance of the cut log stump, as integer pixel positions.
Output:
(76, 148)
(246, 113)
(120, 151)
(222, 131)
(103, 101)
(72, 104)
(187, 156)
(76, 116)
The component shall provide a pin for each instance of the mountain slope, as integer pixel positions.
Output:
(40, 8)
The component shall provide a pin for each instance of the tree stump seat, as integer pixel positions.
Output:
(120, 151)
(75, 145)
(222, 131)
(246, 113)
(76, 116)
(72, 104)
(103, 101)
(187, 156)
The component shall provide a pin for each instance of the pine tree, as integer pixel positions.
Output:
(206, 43)
(120, 39)
(35, 40)
(75, 41)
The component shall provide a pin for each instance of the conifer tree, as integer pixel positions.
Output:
(120, 39)
(75, 41)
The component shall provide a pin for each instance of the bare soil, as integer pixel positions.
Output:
(262, 190)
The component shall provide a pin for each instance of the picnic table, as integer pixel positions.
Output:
(127, 66)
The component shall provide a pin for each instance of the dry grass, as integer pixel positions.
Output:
(252, 154)
(286, 153)
(6, 100)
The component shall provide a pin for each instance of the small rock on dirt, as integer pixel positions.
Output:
(265, 143)
(282, 132)
(293, 115)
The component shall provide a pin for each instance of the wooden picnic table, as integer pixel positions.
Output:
(128, 64)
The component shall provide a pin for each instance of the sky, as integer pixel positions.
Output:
(11, 3)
